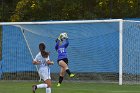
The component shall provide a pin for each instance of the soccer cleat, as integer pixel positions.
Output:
(58, 85)
(34, 87)
(72, 75)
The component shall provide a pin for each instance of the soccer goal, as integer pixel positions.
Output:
(99, 50)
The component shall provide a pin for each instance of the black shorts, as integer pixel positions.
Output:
(64, 59)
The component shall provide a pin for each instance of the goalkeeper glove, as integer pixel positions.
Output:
(60, 37)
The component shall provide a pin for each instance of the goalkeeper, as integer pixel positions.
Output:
(61, 45)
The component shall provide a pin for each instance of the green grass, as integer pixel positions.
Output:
(71, 87)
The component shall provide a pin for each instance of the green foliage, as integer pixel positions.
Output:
(24, 10)
(37, 10)
(7, 8)
(117, 8)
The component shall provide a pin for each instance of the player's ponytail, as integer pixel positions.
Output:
(44, 54)
(42, 50)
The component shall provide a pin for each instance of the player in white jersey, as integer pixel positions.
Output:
(42, 61)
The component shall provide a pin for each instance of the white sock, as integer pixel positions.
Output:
(48, 90)
(42, 86)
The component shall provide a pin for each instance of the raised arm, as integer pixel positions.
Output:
(57, 44)
(66, 42)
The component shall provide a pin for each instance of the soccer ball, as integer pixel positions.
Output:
(64, 35)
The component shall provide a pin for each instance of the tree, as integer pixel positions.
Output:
(25, 10)
(37, 10)
(6, 9)
(116, 8)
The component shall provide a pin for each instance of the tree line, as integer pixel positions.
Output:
(43, 10)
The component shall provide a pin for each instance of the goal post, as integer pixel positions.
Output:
(97, 50)
(22, 30)
(120, 50)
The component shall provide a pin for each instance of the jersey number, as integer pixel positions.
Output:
(62, 50)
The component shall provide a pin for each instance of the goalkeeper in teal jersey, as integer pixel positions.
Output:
(61, 45)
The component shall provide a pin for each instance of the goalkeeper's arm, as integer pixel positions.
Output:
(57, 44)
(59, 39)
(66, 43)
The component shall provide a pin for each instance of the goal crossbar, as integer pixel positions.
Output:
(59, 22)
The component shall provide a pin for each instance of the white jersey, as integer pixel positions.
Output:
(44, 70)
(42, 60)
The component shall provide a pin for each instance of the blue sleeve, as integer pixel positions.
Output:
(56, 46)
(66, 43)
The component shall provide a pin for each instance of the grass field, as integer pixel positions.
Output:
(69, 87)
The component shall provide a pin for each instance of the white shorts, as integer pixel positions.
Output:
(44, 73)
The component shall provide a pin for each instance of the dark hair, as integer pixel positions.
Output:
(42, 46)
(44, 54)
(42, 50)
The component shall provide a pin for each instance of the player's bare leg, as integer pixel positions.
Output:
(64, 67)
(48, 89)
(62, 73)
